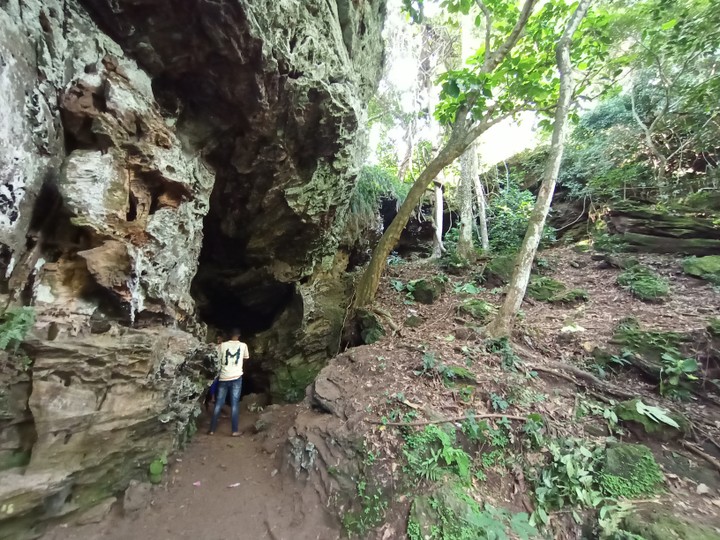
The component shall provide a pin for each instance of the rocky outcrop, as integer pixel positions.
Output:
(644, 228)
(165, 166)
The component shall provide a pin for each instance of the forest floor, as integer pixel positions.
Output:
(384, 390)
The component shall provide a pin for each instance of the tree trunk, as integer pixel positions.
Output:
(468, 170)
(468, 161)
(438, 247)
(502, 323)
(368, 284)
(482, 213)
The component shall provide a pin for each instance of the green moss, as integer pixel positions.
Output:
(643, 283)
(713, 326)
(543, 288)
(371, 328)
(707, 268)
(660, 524)
(288, 382)
(573, 296)
(498, 270)
(426, 291)
(630, 471)
(627, 412)
(478, 309)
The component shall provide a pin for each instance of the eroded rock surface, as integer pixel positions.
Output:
(165, 165)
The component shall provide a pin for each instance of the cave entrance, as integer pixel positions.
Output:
(246, 300)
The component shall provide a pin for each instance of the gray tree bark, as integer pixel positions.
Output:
(502, 324)
(482, 213)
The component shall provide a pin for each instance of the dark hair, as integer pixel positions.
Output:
(235, 332)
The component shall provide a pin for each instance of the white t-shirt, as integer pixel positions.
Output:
(231, 355)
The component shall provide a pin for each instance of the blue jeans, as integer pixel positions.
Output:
(235, 388)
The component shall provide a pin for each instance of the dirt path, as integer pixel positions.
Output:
(265, 505)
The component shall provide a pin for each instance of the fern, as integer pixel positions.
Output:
(15, 325)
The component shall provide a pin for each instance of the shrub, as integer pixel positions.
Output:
(508, 213)
(643, 283)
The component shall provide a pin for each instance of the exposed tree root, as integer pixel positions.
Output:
(447, 420)
(698, 452)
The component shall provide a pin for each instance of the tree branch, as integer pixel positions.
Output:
(498, 56)
(488, 29)
(447, 420)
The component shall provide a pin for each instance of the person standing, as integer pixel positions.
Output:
(232, 355)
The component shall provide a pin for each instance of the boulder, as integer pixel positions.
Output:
(97, 513)
(630, 471)
(627, 413)
(659, 523)
(426, 291)
(707, 268)
(137, 496)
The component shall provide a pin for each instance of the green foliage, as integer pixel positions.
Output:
(156, 469)
(584, 476)
(452, 514)
(373, 506)
(508, 215)
(15, 323)
(503, 348)
(570, 479)
(432, 367)
(656, 414)
(431, 453)
(467, 288)
(674, 372)
(643, 283)
(676, 369)
(374, 183)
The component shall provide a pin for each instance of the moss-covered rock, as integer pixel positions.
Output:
(627, 412)
(651, 229)
(478, 309)
(630, 471)
(659, 524)
(498, 270)
(371, 328)
(544, 288)
(571, 297)
(707, 268)
(413, 321)
(426, 291)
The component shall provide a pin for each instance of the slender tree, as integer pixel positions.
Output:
(502, 323)
(468, 161)
(482, 212)
(438, 247)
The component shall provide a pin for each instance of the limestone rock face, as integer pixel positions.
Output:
(165, 165)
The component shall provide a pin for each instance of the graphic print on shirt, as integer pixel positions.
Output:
(236, 355)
